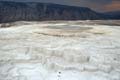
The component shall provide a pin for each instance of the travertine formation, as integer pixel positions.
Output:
(60, 50)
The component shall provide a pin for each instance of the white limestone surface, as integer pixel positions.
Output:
(61, 50)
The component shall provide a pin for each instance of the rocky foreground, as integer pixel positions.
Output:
(60, 50)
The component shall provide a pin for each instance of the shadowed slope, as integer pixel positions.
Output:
(29, 11)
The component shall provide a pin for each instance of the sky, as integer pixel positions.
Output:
(97, 5)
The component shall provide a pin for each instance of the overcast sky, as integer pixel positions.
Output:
(98, 5)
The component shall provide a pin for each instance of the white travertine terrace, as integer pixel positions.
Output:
(68, 50)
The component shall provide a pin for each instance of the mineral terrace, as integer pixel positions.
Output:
(60, 50)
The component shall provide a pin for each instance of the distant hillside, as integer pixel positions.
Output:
(30, 11)
(113, 15)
